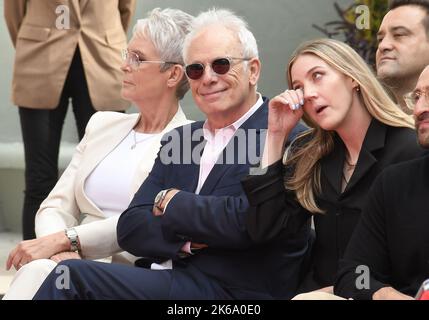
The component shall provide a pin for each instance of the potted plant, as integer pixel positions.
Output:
(363, 40)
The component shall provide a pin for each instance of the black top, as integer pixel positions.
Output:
(392, 238)
(274, 211)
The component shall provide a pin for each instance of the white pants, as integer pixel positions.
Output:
(317, 295)
(31, 276)
(28, 279)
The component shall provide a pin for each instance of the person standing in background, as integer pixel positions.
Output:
(403, 47)
(68, 49)
(78, 219)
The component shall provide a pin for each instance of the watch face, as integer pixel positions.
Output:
(158, 197)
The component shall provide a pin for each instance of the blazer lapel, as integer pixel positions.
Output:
(332, 165)
(100, 147)
(258, 121)
(145, 166)
(374, 140)
(192, 136)
(219, 169)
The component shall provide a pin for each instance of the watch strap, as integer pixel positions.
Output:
(74, 239)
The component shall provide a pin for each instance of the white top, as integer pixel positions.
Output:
(108, 185)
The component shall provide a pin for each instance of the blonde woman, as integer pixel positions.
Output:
(327, 172)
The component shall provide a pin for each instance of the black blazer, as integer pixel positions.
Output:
(216, 217)
(392, 238)
(275, 212)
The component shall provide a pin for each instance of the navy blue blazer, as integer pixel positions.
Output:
(215, 217)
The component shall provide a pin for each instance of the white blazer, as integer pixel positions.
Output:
(68, 206)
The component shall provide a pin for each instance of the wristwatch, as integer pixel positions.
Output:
(160, 198)
(74, 239)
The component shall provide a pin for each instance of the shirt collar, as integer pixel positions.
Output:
(232, 128)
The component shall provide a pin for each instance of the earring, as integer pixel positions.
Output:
(357, 89)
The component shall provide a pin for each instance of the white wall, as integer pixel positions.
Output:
(278, 25)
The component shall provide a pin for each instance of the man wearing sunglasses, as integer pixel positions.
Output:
(387, 256)
(195, 212)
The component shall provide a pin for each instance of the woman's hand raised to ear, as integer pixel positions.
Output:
(285, 111)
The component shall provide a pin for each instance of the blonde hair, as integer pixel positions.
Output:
(305, 180)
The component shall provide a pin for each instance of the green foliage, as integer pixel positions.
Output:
(363, 41)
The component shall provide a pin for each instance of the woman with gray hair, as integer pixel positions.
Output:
(78, 219)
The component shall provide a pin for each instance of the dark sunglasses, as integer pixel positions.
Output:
(220, 66)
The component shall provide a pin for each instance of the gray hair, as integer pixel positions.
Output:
(167, 29)
(227, 19)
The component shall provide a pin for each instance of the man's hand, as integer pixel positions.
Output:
(388, 293)
(41, 248)
(65, 256)
(160, 211)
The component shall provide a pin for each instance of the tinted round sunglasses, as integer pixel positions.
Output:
(220, 66)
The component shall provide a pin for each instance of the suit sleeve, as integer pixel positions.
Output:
(229, 221)
(14, 12)
(367, 248)
(273, 209)
(98, 238)
(138, 231)
(217, 221)
(126, 9)
(60, 210)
